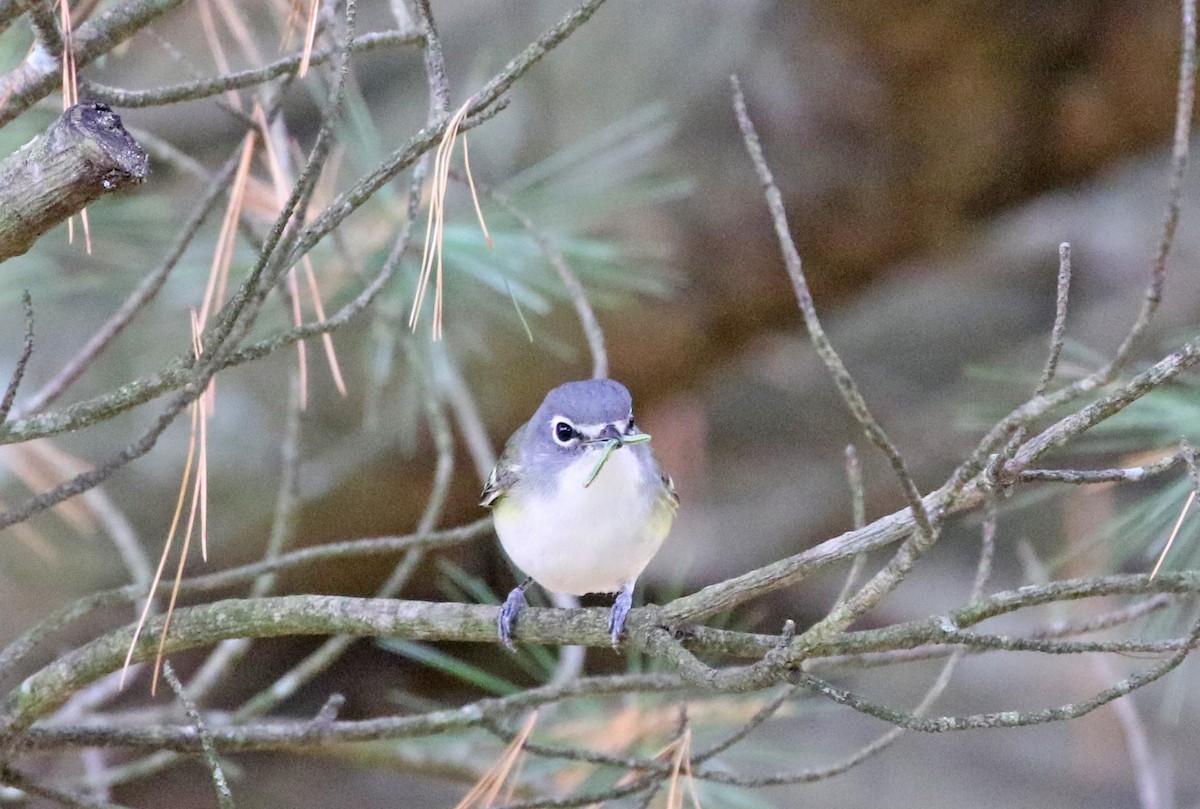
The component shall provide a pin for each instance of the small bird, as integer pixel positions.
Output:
(579, 500)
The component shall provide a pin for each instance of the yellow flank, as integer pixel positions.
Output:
(506, 507)
(662, 516)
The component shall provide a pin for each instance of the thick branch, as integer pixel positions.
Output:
(84, 154)
(419, 620)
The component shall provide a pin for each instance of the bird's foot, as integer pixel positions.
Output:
(616, 618)
(507, 620)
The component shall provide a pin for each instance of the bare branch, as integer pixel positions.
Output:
(145, 292)
(816, 332)
(1058, 330)
(45, 26)
(33, 80)
(83, 155)
(14, 381)
(1004, 719)
(1185, 99)
(204, 88)
(858, 507)
(224, 796)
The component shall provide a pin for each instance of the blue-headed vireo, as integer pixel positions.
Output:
(567, 530)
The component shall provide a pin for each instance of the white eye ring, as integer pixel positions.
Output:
(564, 433)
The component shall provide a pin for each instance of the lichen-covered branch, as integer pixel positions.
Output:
(85, 154)
(211, 623)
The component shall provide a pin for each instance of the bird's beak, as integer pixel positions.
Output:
(609, 433)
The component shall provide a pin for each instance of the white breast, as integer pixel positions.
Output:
(585, 540)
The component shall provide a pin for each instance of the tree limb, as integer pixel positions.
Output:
(84, 154)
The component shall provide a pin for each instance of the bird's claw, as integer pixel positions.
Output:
(507, 620)
(616, 618)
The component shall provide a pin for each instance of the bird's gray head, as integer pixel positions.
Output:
(579, 416)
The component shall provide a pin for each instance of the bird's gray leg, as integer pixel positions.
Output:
(511, 608)
(620, 611)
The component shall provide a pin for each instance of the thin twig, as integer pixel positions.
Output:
(997, 464)
(33, 81)
(14, 381)
(435, 64)
(224, 796)
(116, 524)
(926, 533)
(953, 497)
(45, 26)
(145, 292)
(858, 510)
(1137, 743)
(1185, 98)
(63, 617)
(234, 322)
(940, 683)
(1058, 330)
(325, 614)
(1003, 719)
(812, 322)
(335, 646)
(278, 734)
(1132, 474)
(483, 103)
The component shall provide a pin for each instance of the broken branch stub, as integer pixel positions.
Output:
(85, 153)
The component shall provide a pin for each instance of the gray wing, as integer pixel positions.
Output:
(504, 476)
(669, 485)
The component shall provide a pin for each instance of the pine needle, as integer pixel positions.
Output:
(483, 793)
(197, 452)
(87, 230)
(70, 83)
(681, 765)
(218, 51)
(327, 339)
(241, 32)
(520, 313)
(282, 182)
(475, 195)
(435, 223)
(301, 347)
(310, 35)
(1174, 532)
(609, 446)
(70, 93)
(199, 505)
(223, 255)
(290, 18)
(202, 464)
(33, 465)
(162, 560)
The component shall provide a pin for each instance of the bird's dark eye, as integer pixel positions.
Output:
(564, 432)
(631, 428)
